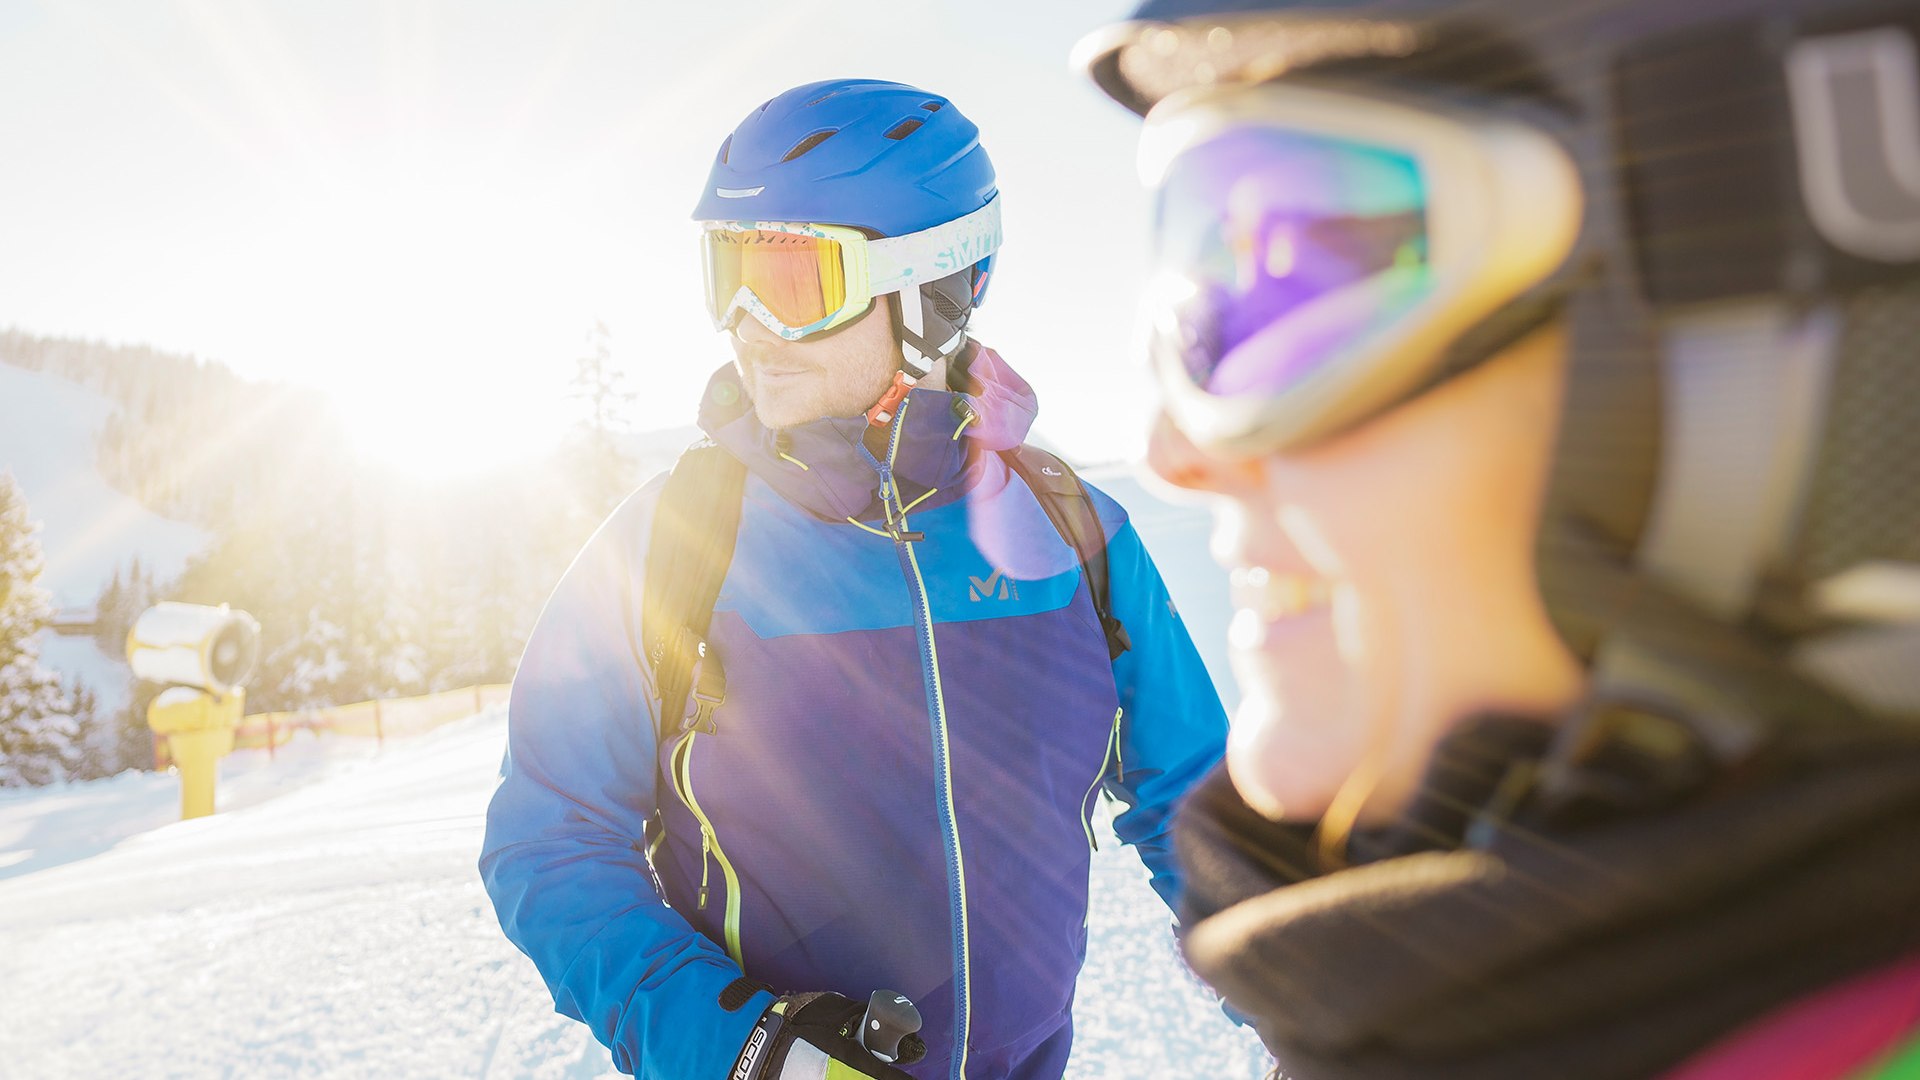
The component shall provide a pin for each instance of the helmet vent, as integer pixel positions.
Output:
(831, 93)
(724, 147)
(810, 142)
(903, 129)
(933, 106)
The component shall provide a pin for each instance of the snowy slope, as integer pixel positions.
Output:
(329, 922)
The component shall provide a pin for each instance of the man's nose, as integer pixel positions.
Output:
(1174, 458)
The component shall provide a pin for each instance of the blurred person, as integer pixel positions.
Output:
(1552, 370)
(867, 759)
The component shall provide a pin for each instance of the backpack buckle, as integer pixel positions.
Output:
(704, 706)
(709, 691)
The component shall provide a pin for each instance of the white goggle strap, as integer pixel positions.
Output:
(895, 263)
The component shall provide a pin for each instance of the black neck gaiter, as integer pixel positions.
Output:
(1594, 903)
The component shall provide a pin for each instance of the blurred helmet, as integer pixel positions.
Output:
(1735, 498)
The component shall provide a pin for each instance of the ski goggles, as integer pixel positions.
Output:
(802, 279)
(1316, 251)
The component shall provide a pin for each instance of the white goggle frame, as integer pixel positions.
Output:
(1503, 209)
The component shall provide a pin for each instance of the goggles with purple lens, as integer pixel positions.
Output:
(1317, 250)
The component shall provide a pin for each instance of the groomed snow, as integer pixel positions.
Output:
(329, 922)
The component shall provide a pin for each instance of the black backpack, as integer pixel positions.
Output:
(694, 529)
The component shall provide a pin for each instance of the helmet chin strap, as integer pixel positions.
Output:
(930, 325)
(909, 323)
(1745, 392)
(930, 321)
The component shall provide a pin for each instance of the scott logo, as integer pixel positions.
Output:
(978, 590)
(751, 1055)
(1853, 116)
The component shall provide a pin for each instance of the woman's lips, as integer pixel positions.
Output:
(1266, 602)
(1273, 596)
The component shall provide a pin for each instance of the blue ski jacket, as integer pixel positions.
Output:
(897, 792)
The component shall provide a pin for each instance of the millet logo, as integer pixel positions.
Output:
(984, 590)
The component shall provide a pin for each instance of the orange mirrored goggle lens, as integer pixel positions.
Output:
(800, 279)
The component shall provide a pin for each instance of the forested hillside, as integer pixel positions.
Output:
(365, 584)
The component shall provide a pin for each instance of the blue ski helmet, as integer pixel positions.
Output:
(880, 156)
(885, 157)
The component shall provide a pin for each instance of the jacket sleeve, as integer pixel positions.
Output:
(1173, 729)
(563, 857)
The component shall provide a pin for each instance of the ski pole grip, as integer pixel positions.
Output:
(890, 1017)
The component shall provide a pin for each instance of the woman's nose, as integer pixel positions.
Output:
(1174, 458)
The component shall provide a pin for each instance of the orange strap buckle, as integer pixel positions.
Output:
(882, 412)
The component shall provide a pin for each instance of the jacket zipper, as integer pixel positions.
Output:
(942, 752)
(1112, 754)
(709, 846)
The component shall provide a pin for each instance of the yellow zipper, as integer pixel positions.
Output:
(1112, 753)
(957, 870)
(709, 845)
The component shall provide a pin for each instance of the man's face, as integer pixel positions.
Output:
(1385, 586)
(839, 374)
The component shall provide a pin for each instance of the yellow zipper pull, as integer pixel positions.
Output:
(706, 845)
(1111, 752)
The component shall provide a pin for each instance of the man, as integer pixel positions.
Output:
(1554, 368)
(925, 682)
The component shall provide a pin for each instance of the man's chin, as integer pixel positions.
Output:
(777, 414)
(779, 410)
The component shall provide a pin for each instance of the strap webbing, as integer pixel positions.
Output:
(693, 535)
(694, 530)
(1064, 497)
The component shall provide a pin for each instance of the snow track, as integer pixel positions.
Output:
(330, 922)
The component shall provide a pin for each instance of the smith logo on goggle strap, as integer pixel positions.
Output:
(798, 279)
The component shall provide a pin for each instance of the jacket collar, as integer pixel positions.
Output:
(825, 468)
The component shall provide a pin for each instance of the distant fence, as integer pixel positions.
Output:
(378, 720)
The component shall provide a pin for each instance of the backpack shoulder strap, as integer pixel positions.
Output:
(1064, 497)
(694, 527)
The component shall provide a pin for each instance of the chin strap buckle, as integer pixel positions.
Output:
(882, 412)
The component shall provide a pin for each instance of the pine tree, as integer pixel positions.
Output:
(604, 472)
(40, 724)
(110, 622)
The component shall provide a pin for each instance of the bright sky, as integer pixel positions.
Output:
(422, 207)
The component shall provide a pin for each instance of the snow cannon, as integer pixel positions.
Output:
(212, 648)
(205, 656)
